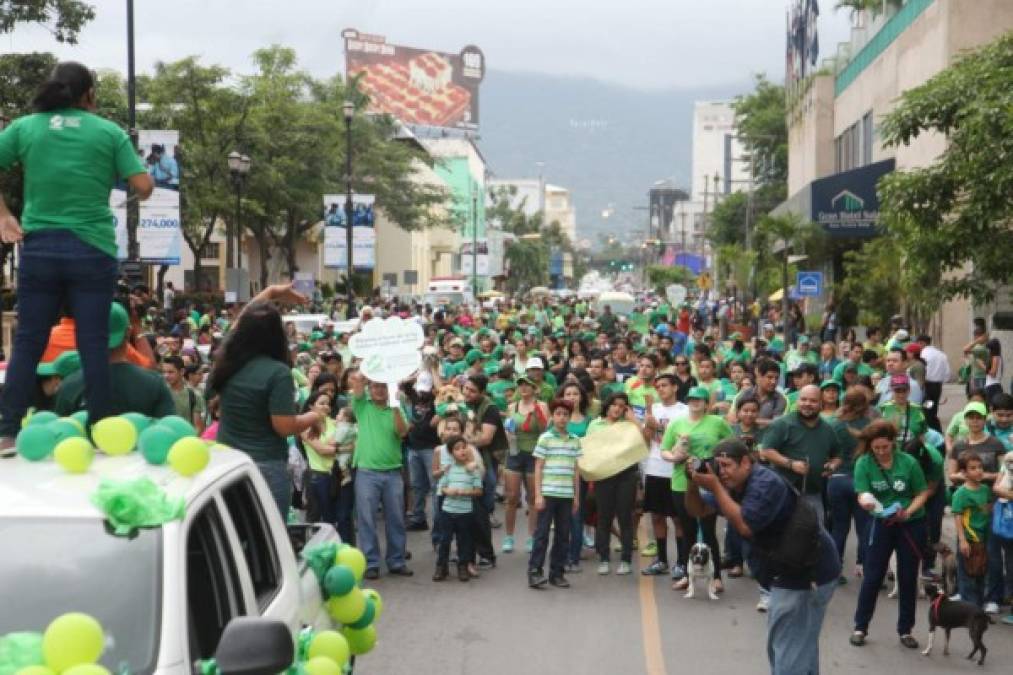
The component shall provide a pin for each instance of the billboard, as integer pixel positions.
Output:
(159, 230)
(481, 259)
(363, 232)
(420, 87)
(846, 204)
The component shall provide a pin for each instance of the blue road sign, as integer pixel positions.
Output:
(809, 284)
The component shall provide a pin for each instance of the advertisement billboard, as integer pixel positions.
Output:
(363, 232)
(481, 259)
(420, 87)
(846, 204)
(159, 232)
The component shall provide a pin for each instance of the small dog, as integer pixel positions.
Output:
(949, 614)
(947, 568)
(701, 566)
(1005, 480)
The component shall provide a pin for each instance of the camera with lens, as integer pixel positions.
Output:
(699, 465)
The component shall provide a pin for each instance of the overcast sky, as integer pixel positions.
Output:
(643, 43)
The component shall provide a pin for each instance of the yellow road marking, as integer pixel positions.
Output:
(653, 657)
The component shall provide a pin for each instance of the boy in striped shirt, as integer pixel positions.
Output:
(557, 490)
(461, 482)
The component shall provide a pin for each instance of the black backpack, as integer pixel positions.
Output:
(794, 550)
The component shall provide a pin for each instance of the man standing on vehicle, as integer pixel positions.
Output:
(378, 480)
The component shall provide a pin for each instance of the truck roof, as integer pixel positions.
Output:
(44, 489)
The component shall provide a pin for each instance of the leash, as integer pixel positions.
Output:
(936, 604)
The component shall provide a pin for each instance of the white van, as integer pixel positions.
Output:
(449, 291)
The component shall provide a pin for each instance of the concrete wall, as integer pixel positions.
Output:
(712, 122)
(811, 135)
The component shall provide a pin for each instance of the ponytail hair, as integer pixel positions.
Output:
(68, 82)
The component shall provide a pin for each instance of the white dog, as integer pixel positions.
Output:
(701, 566)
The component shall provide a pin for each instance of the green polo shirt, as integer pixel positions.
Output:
(703, 434)
(901, 483)
(378, 447)
(794, 439)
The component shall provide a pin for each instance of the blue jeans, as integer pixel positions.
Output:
(557, 515)
(59, 270)
(843, 509)
(275, 473)
(996, 590)
(420, 467)
(344, 512)
(373, 488)
(325, 506)
(907, 540)
(489, 483)
(934, 511)
(971, 589)
(577, 528)
(794, 622)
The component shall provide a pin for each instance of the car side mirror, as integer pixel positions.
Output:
(255, 646)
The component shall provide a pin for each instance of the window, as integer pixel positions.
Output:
(867, 134)
(210, 250)
(255, 540)
(212, 584)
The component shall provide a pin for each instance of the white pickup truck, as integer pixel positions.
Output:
(165, 595)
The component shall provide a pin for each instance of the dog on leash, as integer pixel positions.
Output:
(949, 614)
(701, 567)
(947, 568)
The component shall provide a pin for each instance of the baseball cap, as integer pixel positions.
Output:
(735, 336)
(63, 366)
(534, 362)
(698, 392)
(976, 407)
(902, 335)
(803, 339)
(118, 324)
(913, 348)
(732, 448)
(900, 381)
(768, 326)
(475, 355)
(526, 380)
(316, 335)
(826, 384)
(457, 342)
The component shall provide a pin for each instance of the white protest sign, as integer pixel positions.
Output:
(676, 294)
(389, 349)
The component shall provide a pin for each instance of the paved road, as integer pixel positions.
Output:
(496, 625)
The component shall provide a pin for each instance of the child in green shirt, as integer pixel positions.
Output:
(970, 508)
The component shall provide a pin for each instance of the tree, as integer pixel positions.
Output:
(662, 276)
(953, 217)
(63, 18)
(760, 119)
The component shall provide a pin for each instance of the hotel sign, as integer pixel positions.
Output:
(846, 204)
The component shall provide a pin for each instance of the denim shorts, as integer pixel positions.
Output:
(522, 463)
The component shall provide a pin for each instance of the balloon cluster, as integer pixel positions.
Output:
(70, 645)
(170, 440)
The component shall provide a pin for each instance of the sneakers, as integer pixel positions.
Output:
(618, 546)
(991, 608)
(588, 541)
(486, 563)
(909, 641)
(559, 582)
(657, 568)
(678, 572)
(420, 526)
(763, 604)
(462, 573)
(529, 544)
(508, 544)
(536, 579)
(603, 568)
(441, 573)
(1008, 620)
(623, 569)
(651, 550)
(573, 568)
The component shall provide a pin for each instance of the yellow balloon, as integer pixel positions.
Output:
(347, 608)
(188, 456)
(35, 670)
(86, 669)
(114, 435)
(360, 640)
(72, 639)
(321, 665)
(332, 644)
(371, 594)
(353, 558)
(74, 454)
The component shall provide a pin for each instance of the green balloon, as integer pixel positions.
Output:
(155, 443)
(82, 417)
(139, 420)
(360, 641)
(64, 428)
(35, 442)
(367, 616)
(178, 424)
(42, 417)
(338, 581)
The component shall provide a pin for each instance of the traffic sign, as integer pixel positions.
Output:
(809, 284)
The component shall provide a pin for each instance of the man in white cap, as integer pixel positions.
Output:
(535, 371)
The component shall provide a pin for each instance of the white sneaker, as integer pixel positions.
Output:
(603, 568)
(624, 569)
(763, 604)
(991, 608)
(955, 597)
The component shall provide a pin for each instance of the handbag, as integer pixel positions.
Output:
(976, 560)
(1002, 520)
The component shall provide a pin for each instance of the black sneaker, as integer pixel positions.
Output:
(657, 568)
(372, 573)
(462, 573)
(402, 571)
(441, 573)
(559, 582)
(417, 527)
(536, 579)
(486, 563)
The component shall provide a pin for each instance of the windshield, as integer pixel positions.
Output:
(52, 566)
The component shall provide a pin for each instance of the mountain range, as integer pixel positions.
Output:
(605, 142)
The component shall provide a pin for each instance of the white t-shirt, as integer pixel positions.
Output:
(654, 465)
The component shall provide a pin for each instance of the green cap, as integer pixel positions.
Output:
(475, 355)
(119, 321)
(698, 392)
(830, 383)
(63, 366)
(976, 407)
(526, 380)
(305, 347)
(803, 339)
(735, 336)
(316, 335)
(491, 368)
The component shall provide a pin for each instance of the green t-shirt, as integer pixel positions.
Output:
(864, 370)
(378, 447)
(188, 402)
(980, 356)
(638, 393)
(972, 507)
(72, 158)
(259, 390)
(133, 389)
(900, 483)
(497, 392)
(794, 439)
(910, 423)
(703, 434)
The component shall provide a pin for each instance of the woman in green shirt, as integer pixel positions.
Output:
(529, 418)
(71, 158)
(320, 451)
(580, 418)
(889, 481)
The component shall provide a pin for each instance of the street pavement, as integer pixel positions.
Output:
(497, 625)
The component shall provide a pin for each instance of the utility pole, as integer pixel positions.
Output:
(133, 210)
(474, 246)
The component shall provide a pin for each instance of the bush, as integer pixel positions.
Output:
(199, 299)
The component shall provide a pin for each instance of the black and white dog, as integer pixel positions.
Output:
(701, 566)
(949, 614)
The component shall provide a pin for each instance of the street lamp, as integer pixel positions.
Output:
(348, 109)
(239, 167)
(7, 249)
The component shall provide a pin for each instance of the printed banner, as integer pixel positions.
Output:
(468, 258)
(363, 232)
(389, 349)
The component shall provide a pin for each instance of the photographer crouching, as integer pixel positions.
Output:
(789, 552)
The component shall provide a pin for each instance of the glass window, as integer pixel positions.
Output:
(212, 584)
(51, 566)
(255, 539)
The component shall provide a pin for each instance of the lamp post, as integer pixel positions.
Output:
(239, 167)
(474, 246)
(133, 210)
(7, 249)
(348, 109)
